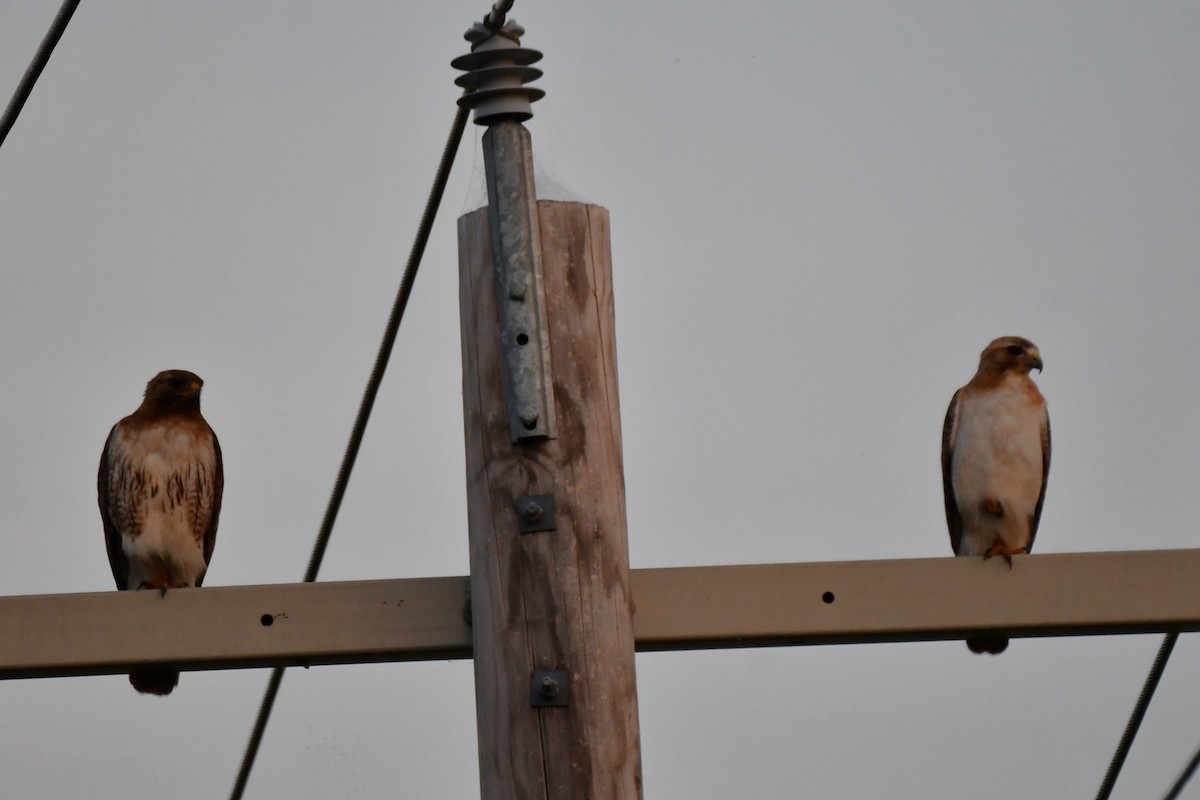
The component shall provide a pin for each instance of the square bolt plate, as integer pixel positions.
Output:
(548, 688)
(535, 513)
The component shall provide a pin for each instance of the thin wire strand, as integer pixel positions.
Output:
(360, 422)
(256, 735)
(40, 59)
(1135, 719)
(1184, 777)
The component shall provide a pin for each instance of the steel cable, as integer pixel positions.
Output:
(1135, 719)
(360, 422)
(40, 59)
(1183, 778)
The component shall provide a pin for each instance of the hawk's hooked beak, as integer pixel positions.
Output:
(1037, 360)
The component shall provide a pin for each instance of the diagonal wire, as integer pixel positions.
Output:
(360, 422)
(40, 59)
(1139, 711)
(1184, 777)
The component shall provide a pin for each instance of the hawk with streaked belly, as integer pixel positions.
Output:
(159, 490)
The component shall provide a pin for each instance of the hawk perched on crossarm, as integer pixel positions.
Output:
(995, 459)
(160, 486)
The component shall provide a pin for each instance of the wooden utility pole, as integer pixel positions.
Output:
(551, 613)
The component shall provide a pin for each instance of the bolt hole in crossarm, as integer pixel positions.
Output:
(522, 338)
(267, 620)
(827, 598)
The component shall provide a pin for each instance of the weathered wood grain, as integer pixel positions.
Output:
(560, 599)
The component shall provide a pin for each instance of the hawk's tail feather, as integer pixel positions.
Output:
(991, 645)
(155, 680)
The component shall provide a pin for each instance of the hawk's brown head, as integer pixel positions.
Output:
(174, 390)
(1010, 354)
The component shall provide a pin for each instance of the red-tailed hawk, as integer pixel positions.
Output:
(160, 487)
(995, 459)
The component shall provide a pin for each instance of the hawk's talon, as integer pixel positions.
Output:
(999, 549)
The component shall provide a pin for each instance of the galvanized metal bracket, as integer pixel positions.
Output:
(536, 513)
(548, 688)
(520, 296)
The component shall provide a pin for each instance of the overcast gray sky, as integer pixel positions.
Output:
(821, 213)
